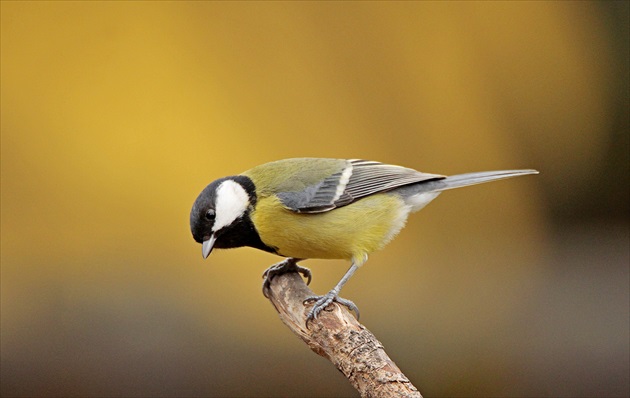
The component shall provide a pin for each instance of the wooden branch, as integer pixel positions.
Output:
(339, 337)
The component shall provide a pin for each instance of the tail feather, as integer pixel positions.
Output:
(463, 180)
(419, 195)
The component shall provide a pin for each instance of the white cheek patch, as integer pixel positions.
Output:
(231, 203)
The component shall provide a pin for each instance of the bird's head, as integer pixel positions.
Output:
(221, 211)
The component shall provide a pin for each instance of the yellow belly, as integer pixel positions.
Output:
(350, 232)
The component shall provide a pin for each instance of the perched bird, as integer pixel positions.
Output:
(318, 208)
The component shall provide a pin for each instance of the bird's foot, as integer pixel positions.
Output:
(321, 302)
(288, 265)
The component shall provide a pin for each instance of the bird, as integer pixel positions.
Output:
(318, 208)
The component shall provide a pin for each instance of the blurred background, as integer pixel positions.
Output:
(116, 114)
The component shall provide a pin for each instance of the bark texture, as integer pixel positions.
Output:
(339, 337)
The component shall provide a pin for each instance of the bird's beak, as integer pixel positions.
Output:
(206, 246)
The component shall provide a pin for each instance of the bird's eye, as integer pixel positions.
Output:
(210, 215)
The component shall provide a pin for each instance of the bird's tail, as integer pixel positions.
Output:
(419, 195)
(463, 180)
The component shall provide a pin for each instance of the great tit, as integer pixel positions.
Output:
(318, 208)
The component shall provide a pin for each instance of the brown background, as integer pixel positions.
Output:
(116, 114)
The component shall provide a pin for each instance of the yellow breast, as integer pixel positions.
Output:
(350, 232)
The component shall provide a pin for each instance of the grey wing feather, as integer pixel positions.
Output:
(358, 179)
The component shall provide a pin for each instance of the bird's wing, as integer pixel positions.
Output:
(358, 179)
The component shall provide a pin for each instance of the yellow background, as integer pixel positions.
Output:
(116, 114)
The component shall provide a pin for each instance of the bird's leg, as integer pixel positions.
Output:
(288, 265)
(322, 302)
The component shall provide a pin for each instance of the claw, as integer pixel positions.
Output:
(321, 302)
(288, 265)
(306, 273)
